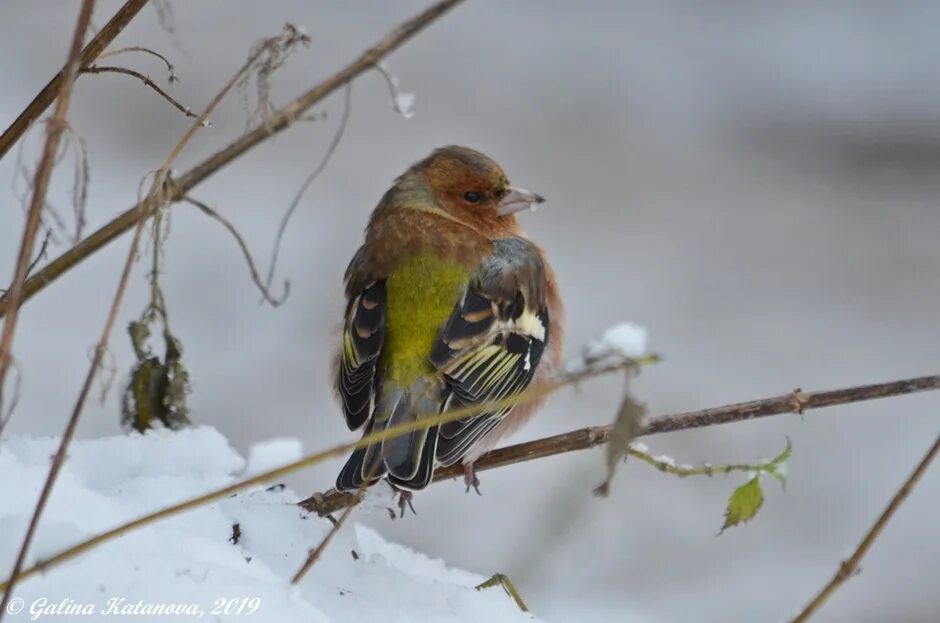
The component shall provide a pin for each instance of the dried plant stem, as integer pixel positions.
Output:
(156, 198)
(849, 567)
(97, 69)
(40, 186)
(275, 301)
(279, 121)
(590, 437)
(313, 459)
(55, 128)
(44, 98)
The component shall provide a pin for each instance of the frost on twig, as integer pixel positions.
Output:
(402, 101)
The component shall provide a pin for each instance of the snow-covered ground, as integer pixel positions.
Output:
(190, 563)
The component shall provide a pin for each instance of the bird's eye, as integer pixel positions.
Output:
(472, 197)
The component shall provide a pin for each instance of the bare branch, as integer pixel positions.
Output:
(156, 199)
(850, 567)
(97, 69)
(41, 184)
(170, 68)
(530, 394)
(255, 276)
(284, 118)
(44, 98)
(584, 438)
(337, 137)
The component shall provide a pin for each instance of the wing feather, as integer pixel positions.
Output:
(492, 343)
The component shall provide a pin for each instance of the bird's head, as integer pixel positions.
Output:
(471, 188)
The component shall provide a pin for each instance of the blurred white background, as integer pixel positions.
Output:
(757, 183)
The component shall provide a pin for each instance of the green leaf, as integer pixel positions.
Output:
(743, 503)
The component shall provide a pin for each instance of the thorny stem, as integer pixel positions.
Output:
(281, 120)
(15, 294)
(849, 567)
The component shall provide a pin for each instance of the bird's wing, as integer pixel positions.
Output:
(491, 345)
(363, 334)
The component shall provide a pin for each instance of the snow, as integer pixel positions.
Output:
(188, 564)
(402, 101)
(267, 455)
(625, 339)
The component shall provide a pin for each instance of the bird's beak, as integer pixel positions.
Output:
(517, 200)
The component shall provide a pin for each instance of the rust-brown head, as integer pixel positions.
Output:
(471, 188)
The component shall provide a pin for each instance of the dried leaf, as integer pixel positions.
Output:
(627, 426)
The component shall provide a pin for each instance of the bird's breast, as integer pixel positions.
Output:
(421, 293)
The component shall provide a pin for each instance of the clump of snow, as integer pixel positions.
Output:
(624, 340)
(227, 561)
(621, 341)
(402, 101)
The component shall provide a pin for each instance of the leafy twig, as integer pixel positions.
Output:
(850, 567)
(591, 437)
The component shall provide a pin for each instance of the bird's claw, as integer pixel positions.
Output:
(470, 479)
(404, 501)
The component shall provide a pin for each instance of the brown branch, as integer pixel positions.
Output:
(281, 120)
(40, 185)
(584, 438)
(44, 98)
(850, 567)
(156, 199)
(15, 294)
(97, 69)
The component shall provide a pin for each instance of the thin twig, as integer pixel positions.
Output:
(171, 70)
(155, 200)
(421, 422)
(584, 438)
(850, 567)
(315, 554)
(98, 69)
(40, 186)
(282, 227)
(44, 98)
(281, 120)
(252, 268)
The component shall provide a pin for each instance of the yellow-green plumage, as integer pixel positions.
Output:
(422, 292)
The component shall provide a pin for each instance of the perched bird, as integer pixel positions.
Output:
(449, 305)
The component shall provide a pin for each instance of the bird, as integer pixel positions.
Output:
(449, 305)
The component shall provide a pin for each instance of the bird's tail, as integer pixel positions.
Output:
(406, 460)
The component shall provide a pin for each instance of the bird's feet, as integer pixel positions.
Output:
(404, 501)
(470, 478)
